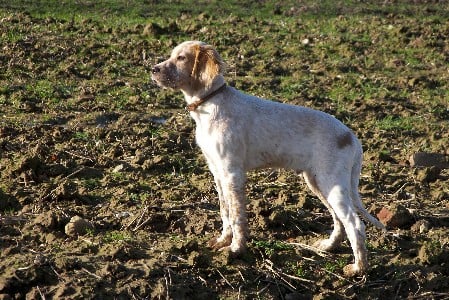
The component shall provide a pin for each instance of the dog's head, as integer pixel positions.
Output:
(192, 66)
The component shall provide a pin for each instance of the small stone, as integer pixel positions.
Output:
(425, 159)
(395, 216)
(118, 168)
(122, 214)
(77, 226)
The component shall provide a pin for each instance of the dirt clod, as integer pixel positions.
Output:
(424, 159)
(78, 226)
(395, 216)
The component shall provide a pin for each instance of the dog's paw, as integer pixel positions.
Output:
(227, 246)
(233, 251)
(352, 270)
(218, 243)
(237, 248)
(325, 245)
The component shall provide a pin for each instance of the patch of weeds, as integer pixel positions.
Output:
(139, 197)
(341, 96)
(64, 91)
(80, 135)
(370, 247)
(118, 176)
(120, 96)
(13, 36)
(42, 90)
(179, 165)
(332, 266)
(134, 197)
(384, 154)
(46, 118)
(270, 247)
(116, 236)
(439, 111)
(90, 232)
(144, 197)
(396, 123)
(91, 183)
(175, 238)
(399, 275)
(4, 91)
(155, 131)
(298, 269)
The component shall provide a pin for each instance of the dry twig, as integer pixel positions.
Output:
(224, 278)
(11, 220)
(319, 252)
(79, 156)
(40, 293)
(92, 274)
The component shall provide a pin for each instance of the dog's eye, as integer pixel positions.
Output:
(181, 58)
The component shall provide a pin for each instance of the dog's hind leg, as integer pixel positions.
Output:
(338, 197)
(338, 232)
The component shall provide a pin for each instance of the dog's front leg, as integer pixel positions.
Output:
(233, 185)
(224, 240)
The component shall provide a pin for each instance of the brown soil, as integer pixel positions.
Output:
(144, 202)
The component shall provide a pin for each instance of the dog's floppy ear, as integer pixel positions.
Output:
(208, 64)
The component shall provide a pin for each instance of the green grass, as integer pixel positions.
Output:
(341, 46)
(116, 236)
(271, 247)
(335, 266)
(91, 183)
(79, 135)
(299, 269)
(131, 12)
(392, 123)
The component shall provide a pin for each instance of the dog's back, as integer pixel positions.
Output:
(280, 135)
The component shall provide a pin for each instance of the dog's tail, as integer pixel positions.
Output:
(355, 173)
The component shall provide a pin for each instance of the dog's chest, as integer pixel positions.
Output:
(205, 135)
(209, 134)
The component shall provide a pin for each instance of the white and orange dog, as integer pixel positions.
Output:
(239, 132)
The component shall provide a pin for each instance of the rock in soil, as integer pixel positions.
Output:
(424, 159)
(78, 226)
(395, 216)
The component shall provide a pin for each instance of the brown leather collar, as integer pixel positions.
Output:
(193, 106)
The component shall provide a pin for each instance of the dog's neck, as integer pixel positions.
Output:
(197, 97)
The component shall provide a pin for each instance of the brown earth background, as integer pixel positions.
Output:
(104, 194)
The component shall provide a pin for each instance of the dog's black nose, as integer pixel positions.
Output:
(156, 69)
